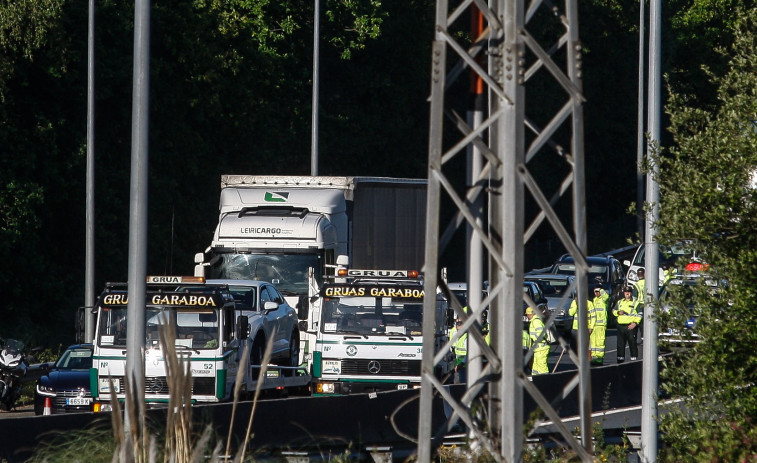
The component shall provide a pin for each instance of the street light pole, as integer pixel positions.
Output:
(316, 59)
(650, 372)
(89, 266)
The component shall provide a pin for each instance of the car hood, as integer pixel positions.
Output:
(554, 303)
(66, 379)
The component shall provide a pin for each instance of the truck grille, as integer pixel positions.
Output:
(383, 367)
(158, 385)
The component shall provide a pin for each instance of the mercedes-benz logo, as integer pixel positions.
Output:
(374, 367)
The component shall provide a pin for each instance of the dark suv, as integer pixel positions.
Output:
(604, 271)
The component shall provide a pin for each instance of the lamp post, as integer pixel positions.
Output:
(316, 58)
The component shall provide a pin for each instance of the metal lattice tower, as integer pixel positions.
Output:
(514, 48)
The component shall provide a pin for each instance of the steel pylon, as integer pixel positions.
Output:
(517, 50)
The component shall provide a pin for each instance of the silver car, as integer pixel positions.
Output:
(268, 315)
(557, 290)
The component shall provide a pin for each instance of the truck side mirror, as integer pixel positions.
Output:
(243, 325)
(450, 322)
(199, 258)
(303, 308)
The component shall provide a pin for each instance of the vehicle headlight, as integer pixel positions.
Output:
(324, 388)
(45, 390)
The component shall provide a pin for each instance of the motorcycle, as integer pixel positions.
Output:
(13, 367)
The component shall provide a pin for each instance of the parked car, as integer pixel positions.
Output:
(679, 329)
(66, 382)
(558, 291)
(668, 256)
(604, 271)
(267, 313)
(460, 291)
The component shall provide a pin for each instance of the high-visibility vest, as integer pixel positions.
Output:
(640, 288)
(535, 329)
(600, 309)
(574, 309)
(527, 342)
(600, 316)
(460, 346)
(629, 307)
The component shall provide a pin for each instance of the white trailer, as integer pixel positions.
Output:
(211, 336)
(274, 228)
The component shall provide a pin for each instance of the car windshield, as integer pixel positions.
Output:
(194, 329)
(552, 287)
(75, 359)
(372, 315)
(379, 314)
(597, 272)
(288, 272)
(667, 253)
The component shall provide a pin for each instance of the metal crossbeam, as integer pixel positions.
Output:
(509, 46)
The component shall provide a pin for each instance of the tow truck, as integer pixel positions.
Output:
(369, 331)
(212, 333)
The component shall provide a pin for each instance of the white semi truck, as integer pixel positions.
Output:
(275, 228)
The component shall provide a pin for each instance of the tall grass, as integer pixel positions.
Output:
(132, 439)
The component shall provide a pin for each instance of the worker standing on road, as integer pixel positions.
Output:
(628, 324)
(460, 347)
(541, 347)
(527, 343)
(599, 328)
(573, 312)
(640, 290)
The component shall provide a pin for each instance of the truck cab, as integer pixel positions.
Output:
(370, 334)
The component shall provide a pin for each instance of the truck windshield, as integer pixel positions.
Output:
(288, 272)
(196, 330)
(372, 315)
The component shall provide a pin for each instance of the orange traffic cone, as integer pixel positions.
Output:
(48, 410)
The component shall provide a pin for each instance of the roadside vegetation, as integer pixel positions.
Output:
(708, 193)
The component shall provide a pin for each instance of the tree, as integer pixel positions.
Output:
(708, 194)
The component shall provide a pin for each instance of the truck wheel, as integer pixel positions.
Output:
(294, 354)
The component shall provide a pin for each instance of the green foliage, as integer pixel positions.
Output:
(707, 194)
(99, 445)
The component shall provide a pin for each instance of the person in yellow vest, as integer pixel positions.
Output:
(527, 343)
(599, 327)
(573, 312)
(667, 273)
(628, 324)
(640, 294)
(640, 285)
(541, 347)
(460, 348)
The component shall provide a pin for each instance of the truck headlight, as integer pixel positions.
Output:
(324, 388)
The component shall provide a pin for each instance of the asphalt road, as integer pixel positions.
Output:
(21, 411)
(611, 353)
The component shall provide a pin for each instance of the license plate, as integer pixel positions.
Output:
(402, 387)
(78, 401)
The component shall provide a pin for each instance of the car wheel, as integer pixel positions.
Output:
(293, 360)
